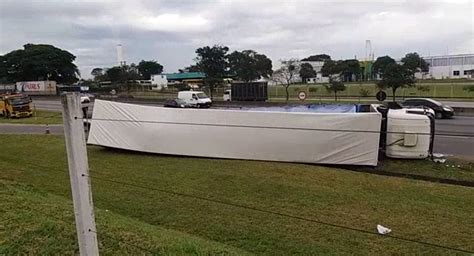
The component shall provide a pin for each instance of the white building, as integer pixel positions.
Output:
(317, 66)
(159, 82)
(450, 66)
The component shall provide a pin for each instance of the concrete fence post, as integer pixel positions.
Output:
(79, 174)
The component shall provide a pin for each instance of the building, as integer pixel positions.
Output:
(317, 66)
(192, 79)
(158, 82)
(450, 66)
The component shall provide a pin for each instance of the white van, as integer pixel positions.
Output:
(196, 99)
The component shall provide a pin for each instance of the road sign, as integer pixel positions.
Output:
(381, 95)
(302, 95)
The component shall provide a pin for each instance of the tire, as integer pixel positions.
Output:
(198, 106)
(438, 115)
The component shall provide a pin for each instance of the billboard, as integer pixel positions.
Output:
(37, 87)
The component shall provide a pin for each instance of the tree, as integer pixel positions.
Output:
(248, 65)
(318, 57)
(286, 74)
(381, 63)
(335, 70)
(3, 70)
(213, 62)
(190, 68)
(39, 62)
(350, 68)
(122, 75)
(306, 71)
(148, 68)
(335, 85)
(99, 74)
(415, 63)
(330, 67)
(396, 76)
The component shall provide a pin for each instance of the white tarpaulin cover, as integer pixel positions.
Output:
(238, 134)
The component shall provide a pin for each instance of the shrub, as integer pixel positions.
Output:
(313, 89)
(423, 88)
(364, 92)
(468, 88)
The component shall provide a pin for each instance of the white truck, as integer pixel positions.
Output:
(196, 99)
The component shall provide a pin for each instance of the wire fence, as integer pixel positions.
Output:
(241, 206)
(462, 135)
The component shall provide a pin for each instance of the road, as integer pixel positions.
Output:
(462, 146)
(458, 146)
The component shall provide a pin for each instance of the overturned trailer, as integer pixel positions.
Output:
(349, 138)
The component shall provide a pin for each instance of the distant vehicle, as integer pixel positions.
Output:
(251, 91)
(196, 99)
(227, 95)
(37, 87)
(16, 105)
(85, 99)
(176, 103)
(441, 110)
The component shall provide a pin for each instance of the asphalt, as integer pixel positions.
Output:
(461, 145)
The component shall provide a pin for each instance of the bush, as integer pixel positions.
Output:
(364, 92)
(313, 89)
(182, 87)
(296, 89)
(468, 88)
(423, 88)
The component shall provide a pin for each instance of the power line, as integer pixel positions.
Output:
(262, 211)
(279, 214)
(280, 128)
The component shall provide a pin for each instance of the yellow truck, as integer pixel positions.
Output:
(16, 105)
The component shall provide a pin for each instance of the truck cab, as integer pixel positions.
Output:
(196, 99)
(16, 105)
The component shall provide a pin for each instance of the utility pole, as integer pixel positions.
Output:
(79, 174)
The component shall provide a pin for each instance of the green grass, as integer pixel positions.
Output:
(455, 169)
(435, 213)
(40, 117)
(35, 222)
(436, 90)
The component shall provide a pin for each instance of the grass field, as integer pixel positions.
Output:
(40, 117)
(435, 213)
(432, 89)
(35, 222)
(435, 90)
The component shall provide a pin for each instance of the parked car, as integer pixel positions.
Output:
(176, 103)
(441, 110)
(196, 99)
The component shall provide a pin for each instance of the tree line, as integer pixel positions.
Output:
(46, 62)
(388, 73)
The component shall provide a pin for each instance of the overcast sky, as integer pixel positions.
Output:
(170, 31)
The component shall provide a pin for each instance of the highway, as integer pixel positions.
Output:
(462, 146)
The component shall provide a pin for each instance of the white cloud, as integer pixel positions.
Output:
(170, 31)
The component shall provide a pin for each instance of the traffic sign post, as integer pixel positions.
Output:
(302, 95)
(381, 95)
